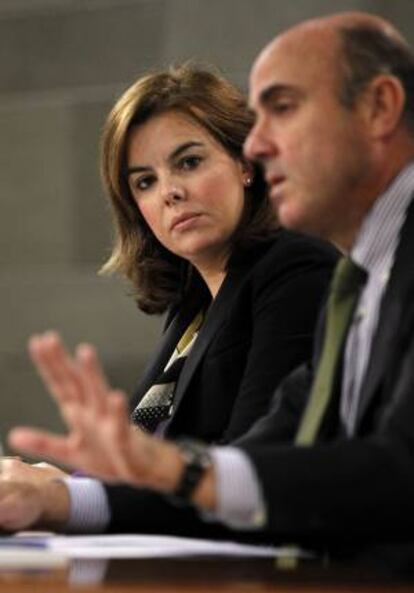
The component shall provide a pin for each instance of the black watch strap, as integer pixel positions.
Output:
(197, 461)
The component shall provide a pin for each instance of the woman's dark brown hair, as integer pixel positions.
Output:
(158, 276)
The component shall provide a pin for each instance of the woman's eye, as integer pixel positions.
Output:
(189, 163)
(142, 183)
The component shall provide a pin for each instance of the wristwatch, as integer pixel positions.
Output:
(197, 460)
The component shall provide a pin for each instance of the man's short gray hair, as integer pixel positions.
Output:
(369, 51)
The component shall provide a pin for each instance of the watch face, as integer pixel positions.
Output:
(197, 460)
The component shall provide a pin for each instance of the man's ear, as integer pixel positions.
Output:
(385, 100)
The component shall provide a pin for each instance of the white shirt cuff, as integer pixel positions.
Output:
(240, 502)
(89, 508)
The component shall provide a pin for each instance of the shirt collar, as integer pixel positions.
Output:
(377, 240)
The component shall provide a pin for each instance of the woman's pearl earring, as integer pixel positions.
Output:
(248, 181)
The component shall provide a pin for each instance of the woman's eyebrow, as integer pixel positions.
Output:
(175, 153)
(182, 148)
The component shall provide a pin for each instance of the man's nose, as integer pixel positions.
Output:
(257, 145)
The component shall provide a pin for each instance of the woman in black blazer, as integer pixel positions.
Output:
(231, 264)
(196, 236)
(257, 329)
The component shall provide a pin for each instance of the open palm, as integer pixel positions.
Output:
(100, 439)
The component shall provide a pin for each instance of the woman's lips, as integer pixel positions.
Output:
(184, 221)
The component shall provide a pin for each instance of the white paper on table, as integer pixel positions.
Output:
(29, 559)
(156, 546)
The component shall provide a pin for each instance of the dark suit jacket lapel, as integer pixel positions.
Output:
(164, 351)
(217, 312)
(385, 341)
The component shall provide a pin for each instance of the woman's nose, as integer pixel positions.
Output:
(173, 193)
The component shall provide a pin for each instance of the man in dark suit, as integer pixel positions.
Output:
(335, 134)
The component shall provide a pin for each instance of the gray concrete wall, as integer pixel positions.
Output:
(62, 63)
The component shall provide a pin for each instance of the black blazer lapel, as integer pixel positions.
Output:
(386, 337)
(216, 314)
(164, 351)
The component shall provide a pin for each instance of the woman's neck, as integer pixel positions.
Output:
(213, 273)
(214, 280)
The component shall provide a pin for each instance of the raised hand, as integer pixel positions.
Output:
(100, 439)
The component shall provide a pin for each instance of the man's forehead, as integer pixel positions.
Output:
(289, 60)
(264, 74)
(269, 73)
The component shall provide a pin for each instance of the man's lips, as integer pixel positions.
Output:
(274, 180)
(184, 219)
(276, 186)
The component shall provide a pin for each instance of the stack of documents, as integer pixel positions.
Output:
(129, 546)
(29, 553)
(151, 546)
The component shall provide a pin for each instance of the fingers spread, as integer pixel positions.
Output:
(95, 386)
(55, 366)
(40, 444)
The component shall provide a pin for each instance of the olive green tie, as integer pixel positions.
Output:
(347, 280)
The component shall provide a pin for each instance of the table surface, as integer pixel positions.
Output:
(204, 575)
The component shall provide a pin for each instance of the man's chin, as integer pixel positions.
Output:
(286, 215)
(293, 222)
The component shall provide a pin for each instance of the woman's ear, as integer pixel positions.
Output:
(247, 172)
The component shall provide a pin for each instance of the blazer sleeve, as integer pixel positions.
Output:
(145, 511)
(280, 424)
(289, 287)
(346, 490)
